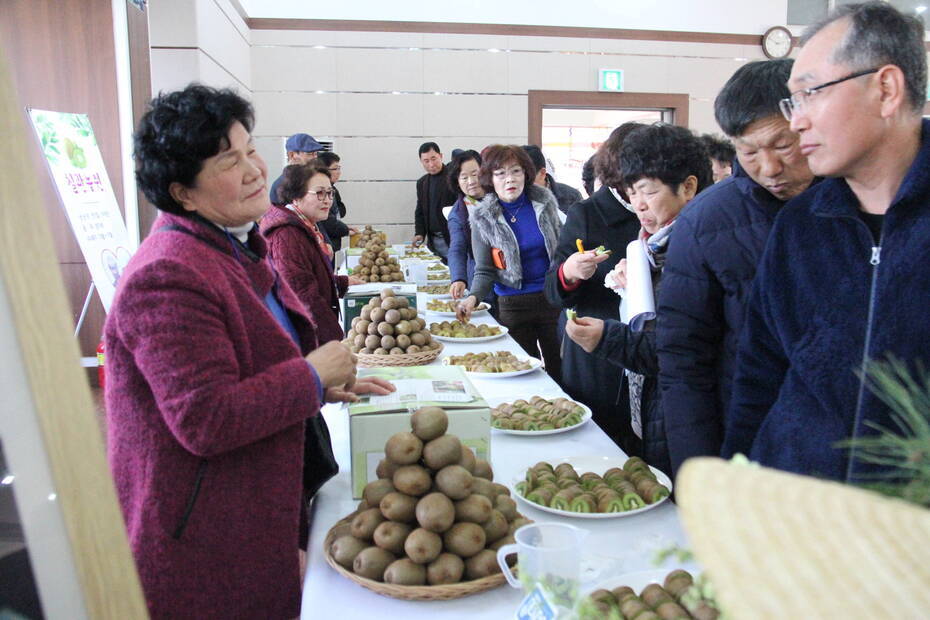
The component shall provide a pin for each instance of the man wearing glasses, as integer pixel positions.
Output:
(843, 280)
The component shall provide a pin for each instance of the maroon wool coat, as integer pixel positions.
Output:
(206, 397)
(296, 255)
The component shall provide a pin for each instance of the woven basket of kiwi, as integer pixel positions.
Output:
(388, 332)
(429, 527)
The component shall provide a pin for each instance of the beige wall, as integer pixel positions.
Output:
(341, 85)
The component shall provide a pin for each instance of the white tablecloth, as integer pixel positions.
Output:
(614, 546)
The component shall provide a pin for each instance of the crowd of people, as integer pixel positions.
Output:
(784, 259)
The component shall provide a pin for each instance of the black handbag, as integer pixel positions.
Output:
(319, 461)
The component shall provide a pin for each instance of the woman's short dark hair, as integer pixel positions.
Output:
(607, 157)
(587, 175)
(497, 156)
(327, 157)
(665, 152)
(751, 94)
(180, 131)
(296, 177)
(719, 148)
(455, 168)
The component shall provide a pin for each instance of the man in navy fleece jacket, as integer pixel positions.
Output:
(843, 279)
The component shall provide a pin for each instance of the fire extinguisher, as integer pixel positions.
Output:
(101, 375)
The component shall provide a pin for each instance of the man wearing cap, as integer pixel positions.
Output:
(843, 279)
(300, 148)
(566, 195)
(712, 260)
(433, 193)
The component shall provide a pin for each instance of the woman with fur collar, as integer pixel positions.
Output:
(515, 231)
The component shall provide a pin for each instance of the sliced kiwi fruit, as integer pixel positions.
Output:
(482, 564)
(473, 509)
(464, 539)
(391, 536)
(454, 481)
(447, 568)
(412, 480)
(372, 562)
(423, 546)
(403, 448)
(428, 423)
(435, 512)
(364, 523)
(405, 572)
(375, 490)
(345, 548)
(442, 451)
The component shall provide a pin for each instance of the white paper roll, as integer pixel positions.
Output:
(639, 299)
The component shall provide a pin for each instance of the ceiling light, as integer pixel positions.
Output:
(7, 479)
(395, 92)
(320, 92)
(414, 49)
(52, 497)
(920, 9)
(319, 47)
(493, 50)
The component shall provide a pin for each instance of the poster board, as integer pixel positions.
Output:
(51, 435)
(76, 166)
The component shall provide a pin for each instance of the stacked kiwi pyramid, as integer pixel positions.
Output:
(369, 234)
(375, 264)
(387, 325)
(433, 517)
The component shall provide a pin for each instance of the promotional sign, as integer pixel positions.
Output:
(76, 166)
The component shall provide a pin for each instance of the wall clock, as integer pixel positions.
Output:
(777, 42)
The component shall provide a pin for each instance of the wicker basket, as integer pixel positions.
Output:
(410, 593)
(369, 360)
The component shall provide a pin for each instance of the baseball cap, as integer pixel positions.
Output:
(302, 143)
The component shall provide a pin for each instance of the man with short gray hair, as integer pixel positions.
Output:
(843, 278)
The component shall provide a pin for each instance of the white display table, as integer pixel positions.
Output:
(614, 546)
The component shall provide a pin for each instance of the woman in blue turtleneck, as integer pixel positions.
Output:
(515, 231)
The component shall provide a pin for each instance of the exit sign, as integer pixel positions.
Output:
(610, 80)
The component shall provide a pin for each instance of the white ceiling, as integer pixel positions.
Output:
(727, 16)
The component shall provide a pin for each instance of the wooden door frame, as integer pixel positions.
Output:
(539, 99)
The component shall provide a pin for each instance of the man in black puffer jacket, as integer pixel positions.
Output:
(711, 262)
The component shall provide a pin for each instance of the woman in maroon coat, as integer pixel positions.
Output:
(209, 379)
(298, 249)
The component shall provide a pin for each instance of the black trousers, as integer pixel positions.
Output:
(533, 323)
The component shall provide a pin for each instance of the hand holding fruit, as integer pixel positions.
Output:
(417, 240)
(334, 364)
(582, 265)
(465, 308)
(457, 289)
(353, 281)
(616, 279)
(586, 332)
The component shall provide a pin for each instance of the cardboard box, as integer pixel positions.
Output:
(370, 425)
(360, 294)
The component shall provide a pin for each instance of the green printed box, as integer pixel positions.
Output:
(359, 295)
(373, 420)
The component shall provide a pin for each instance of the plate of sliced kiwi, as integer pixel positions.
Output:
(493, 365)
(675, 594)
(593, 487)
(538, 416)
(455, 331)
(446, 307)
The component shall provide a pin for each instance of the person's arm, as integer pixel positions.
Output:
(635, 351)
(485, 271)
(761, 362)
(458, 246)
(561, 290)
(175, 326)
(293, 259)
(689, 339)
(334, 227)
(419, 221)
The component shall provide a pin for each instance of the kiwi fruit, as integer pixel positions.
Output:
(447, 568)
(500, 489)
(422, 546)
(372, 562)
(345, 548)
(464, 539)
(364, 523)
(392, 316)
(391, 536)
(359, 340)
(403, 341)
(402, 328)
(380, 351)
(482, 486)
(377, 315)
(417, 337)
(482, 467)
(386, 469)
(480, 565)
(506, 506)
(442, 451)
(397, 351)
(435, 512)
(362, 506)
(413, 349)
(388, 342)
(405, 572)
(428, 423)
(412, 480)
(454, 481)
(373, 329)
(388, 303)
(403, 448)
(375, 490)
(343, 529)
(399, 507)
(372, 342)
(494, 528)
(473, 509)
(385, 329)
(365, 314)
(468, 460)
(517, 523)
(500, 542)
(387, 292)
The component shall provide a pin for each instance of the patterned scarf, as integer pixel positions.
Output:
(320, 239)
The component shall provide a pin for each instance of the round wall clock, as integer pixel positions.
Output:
(777, 42)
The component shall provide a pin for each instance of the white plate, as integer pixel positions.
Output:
(597, 464)
(509, 431)
(534, 365)
(438, 282)
(480, 310)
(478, 339)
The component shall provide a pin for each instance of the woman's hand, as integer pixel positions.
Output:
(617, 277)
(417, 240)
(582, 265)
(353, 280)
(457, 289)
(586, 332)
(334, 364)
(370, 385)
(465, 307)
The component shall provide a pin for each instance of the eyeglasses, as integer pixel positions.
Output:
(796, 103)
(335, 169)
(323, 194)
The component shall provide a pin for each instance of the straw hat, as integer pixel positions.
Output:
(779, 545)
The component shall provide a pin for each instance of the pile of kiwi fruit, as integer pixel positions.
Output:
(376, 265)
(433, 517)
(369, 234)
(387, 325)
